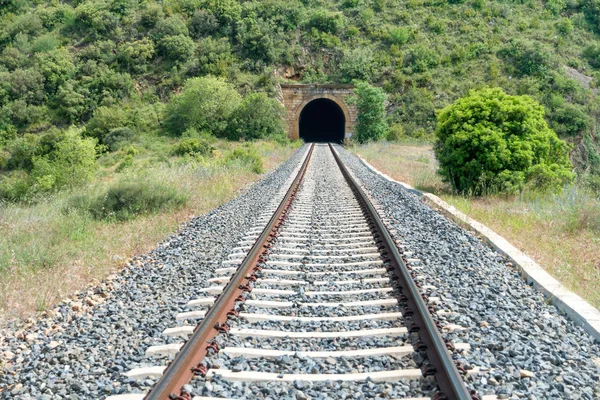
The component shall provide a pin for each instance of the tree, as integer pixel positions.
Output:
(490, 141)
(257, 117)
(205, 104)
(370, 104)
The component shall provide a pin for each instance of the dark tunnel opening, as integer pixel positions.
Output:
(322, 120)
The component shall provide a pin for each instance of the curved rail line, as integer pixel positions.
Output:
(188, 361)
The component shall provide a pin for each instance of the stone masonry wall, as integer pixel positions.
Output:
(295, 97)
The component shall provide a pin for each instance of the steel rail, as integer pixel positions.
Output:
(183, 368)
(448, 377)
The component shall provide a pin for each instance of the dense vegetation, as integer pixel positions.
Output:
(491, 142)
(109, 74)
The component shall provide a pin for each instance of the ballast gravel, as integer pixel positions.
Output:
(81, 349)
(526, 348)
(323, 194)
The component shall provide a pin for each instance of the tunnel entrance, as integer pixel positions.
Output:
(322, 120)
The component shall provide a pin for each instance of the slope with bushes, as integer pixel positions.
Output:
(109, 67)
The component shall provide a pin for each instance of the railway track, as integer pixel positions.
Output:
(316, 301)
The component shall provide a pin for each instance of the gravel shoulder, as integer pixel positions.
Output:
(526, 348)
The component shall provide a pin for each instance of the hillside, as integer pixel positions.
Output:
(64, 63)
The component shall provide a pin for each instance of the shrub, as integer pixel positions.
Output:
(325, 21)
(92, 18)
(399, 35)
(116, 137)
(56, 66)
(489, 141)
(151, 15)
(525, 58)
(569, 120)
(247, 157)
(71, 163)
(420, 58)
(370, 104)
(125, 163)
(592, 54)
(104, 120)
(591, 9)
(395, 133)
(127, 200)
(203, 23)
(171, 26)
(257, 117)
(564, 26)
(205, 104)
(357, 63)
(556, 6)
(176, 49)
(134, 56)
(193, 146)
(14, 186)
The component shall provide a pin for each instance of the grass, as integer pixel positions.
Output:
(47, 254)
(559, 231)
(411, 162)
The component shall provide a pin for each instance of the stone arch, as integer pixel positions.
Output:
(340, 104)
(296, 96)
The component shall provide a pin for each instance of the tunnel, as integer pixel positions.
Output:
(322, 120)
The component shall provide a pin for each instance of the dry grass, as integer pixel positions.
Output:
(561, 232)
(46, 255)
(410, 163)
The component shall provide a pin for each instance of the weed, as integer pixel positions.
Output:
(127, 200)
(247, 157)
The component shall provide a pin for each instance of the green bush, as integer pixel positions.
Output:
(127, 200)
(357, 63)
(125, 163)
(14, 186)
(104, 121)
(329, 22)
(71, 163)
(257, 117)
(206, 104)
(526, 59)
(170, 26)
(592, 54)
(421, 58)
(370, 105)
(46, 164)
(117, 137)
(395, 133)
(192, 147)
(151, 15)
(490, 141)
(569, 120)
(176, 49)
(399, 35)
(247, 157)
(135, 56)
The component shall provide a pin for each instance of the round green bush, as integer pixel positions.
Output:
(490, 141)
(205, 104)
(257, 117)
(192, 146)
